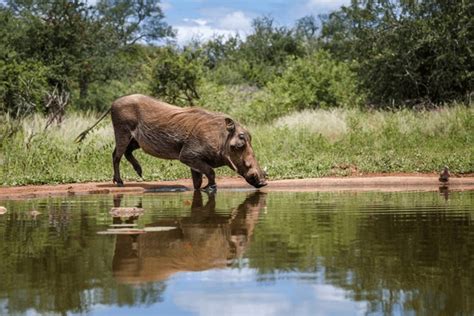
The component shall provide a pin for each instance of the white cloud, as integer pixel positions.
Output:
(326, 4)
(204, 29)
(236, 21)
(165, 5)
(200, 22)
(316, 7)
(186, 33)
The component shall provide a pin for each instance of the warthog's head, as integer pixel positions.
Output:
(241, 156)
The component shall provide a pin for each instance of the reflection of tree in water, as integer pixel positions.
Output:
(421, 259)
(46, 263)
(58, 264)
(203, 240)
(425, 262)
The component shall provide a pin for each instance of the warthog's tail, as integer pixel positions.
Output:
(83, 135)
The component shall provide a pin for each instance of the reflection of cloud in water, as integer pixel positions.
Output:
(333, 300)
(250, 303)
(288, 295)
(230, 275)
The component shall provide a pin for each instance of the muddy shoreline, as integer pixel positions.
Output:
(381, 183)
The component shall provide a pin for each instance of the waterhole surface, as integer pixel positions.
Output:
(239, 253)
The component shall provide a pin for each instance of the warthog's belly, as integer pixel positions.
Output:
(161, 144)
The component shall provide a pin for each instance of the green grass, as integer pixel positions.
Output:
(308, 144)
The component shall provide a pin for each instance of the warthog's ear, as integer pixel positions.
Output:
(230, 124)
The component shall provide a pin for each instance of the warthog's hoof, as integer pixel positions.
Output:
(118, 182)
(210, 188)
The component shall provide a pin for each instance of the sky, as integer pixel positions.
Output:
(204, 18)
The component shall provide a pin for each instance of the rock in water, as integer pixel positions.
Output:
(126, 211)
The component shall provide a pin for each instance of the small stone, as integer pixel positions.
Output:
(126, 211)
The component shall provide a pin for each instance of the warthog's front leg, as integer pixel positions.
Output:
(199, 167)
(197, 179)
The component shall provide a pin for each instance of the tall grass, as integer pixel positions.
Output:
(303, 144)
(342, 142)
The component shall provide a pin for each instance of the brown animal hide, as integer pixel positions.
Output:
(200, 139)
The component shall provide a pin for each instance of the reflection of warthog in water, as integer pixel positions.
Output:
(201, 241)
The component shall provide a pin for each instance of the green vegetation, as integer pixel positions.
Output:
(341, 142)
(378, 86)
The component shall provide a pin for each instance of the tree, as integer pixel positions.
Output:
(265, 51)
(81, 44)
(306, 27)
(175, 76)
(408, 51)
(306, 31)
(23, 81)
(135, 20)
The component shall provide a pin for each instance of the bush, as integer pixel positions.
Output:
(234, 100)
(100, 96)
(23, 86)
(227, 73)
(317, 81)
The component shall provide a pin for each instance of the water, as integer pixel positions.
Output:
(240, 253)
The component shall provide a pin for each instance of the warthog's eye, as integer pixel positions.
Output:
(242, 136)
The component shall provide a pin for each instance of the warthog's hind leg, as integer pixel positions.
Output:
(129, 155)
(116, 157)
(121, 143)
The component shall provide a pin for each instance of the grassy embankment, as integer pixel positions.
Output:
(306, 144)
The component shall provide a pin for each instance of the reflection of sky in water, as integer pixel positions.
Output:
(235, 292)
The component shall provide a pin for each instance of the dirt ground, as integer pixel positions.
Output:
(373, 182)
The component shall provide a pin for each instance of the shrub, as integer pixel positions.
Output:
(23, 86)
(316, 81)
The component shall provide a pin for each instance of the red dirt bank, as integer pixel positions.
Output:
(388, 183)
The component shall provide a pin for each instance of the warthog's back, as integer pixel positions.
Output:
(162, 129)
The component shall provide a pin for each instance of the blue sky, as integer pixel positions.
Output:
(203, 18)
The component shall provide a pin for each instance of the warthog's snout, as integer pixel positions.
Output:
(261, 184)
(256, 179)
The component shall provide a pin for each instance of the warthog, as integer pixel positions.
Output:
(198, 138)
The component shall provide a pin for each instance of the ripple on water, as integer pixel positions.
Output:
(287, 252)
